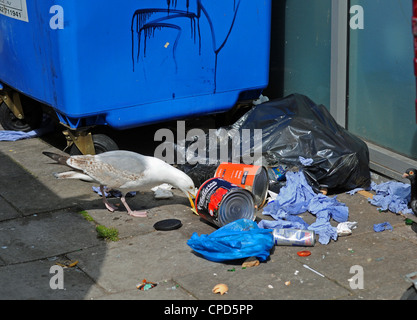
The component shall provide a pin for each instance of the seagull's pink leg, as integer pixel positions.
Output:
(141, 214)
(108, 205)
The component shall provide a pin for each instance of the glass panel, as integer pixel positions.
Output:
(381, 77)
(307, 49)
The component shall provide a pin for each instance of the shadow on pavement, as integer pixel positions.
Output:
(37, 232)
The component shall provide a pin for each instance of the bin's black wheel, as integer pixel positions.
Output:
(410, 294)
(102, 143)
(33, 116)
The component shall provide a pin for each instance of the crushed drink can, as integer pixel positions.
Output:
(221, 202)
(294, 237)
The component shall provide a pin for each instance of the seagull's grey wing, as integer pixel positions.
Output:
(115, 170)
(124, 161)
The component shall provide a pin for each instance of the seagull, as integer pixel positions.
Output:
(411, 174)
(125, 171)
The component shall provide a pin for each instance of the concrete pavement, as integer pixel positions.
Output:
(41, 224)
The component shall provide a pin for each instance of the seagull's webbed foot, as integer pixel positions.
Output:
(137, 214)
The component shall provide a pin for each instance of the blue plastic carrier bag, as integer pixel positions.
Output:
(239, 239)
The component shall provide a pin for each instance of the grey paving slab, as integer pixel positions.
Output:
(384, 257)
(157, 256)
(7, 211)
(44, 235)
(26, 179)
(31, 281)
(165, 290)
(280, 278)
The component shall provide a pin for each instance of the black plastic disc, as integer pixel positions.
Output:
(168, 224)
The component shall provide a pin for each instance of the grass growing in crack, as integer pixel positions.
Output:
(111, 234)
(86, 215)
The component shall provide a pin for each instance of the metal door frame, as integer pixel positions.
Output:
(382, 161)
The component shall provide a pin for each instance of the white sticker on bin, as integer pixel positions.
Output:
(15, 9)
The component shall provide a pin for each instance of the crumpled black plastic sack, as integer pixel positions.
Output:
(292, 127)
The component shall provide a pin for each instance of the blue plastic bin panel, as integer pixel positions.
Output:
(130, 63)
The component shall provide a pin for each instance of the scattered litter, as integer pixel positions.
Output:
(260, 100)
(291, 127)
(67, 263)
(306, 162)
(356, 190)
(220, 202)
(311, 269)
(231, 270)
(163, 191)
(270, 286)
(163, 194)
(298, 197)
(296, 272)
(145, 285)
(271, 196)
(287, 283)
(173, 287)
(380, 259)
(277, 173)
(250, 177)
(409, 222)
(220, 288)
(112, 193)
(46, 126)
(345, 228)
(324, 191)
(236, 240)
(382, 227)
(366, 194)
(392, 195)
(168, 225)
(294, 237)
(304, 253)
(250, 262)
(289, 222)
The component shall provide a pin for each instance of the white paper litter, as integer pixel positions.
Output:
(345, 228)
(163, 191)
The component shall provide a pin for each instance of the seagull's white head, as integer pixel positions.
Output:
(183, 182)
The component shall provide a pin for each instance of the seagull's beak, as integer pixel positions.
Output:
(191, 197)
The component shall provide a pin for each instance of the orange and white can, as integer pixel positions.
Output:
(250, 177)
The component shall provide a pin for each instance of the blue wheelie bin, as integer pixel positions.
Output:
(130, 63)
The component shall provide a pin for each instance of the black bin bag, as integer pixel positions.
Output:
(295, 127)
